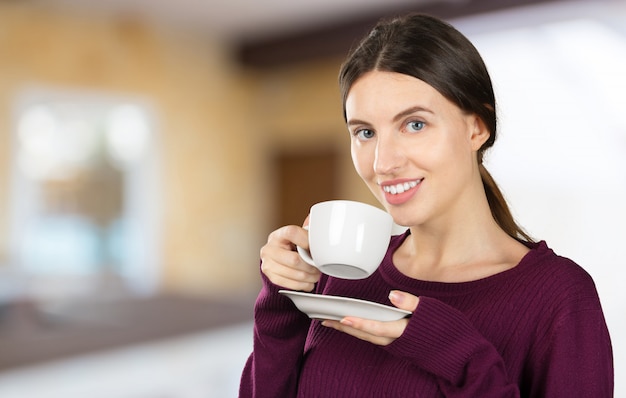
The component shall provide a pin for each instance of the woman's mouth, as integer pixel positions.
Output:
(400, 192)
(401, 187)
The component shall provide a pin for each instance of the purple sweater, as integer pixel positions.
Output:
(536, 330)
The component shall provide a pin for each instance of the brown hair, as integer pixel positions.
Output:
(435, 52)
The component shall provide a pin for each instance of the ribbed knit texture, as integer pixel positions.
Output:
(536, 330)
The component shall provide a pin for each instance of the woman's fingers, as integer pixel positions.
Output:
(289, 236)
(300, 276)
(282, 264)
(376, 332)
(403, 300)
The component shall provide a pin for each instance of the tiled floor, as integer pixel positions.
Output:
(202, 365)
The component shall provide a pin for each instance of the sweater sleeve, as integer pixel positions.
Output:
(280, 332)
(573, 356)
(440, 340)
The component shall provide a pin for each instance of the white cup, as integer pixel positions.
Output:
(347, 239)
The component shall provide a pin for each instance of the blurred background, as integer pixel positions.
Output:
(147, 148)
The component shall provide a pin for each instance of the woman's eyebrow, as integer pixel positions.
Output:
(400, 115)
(410, 111)
(353, 122)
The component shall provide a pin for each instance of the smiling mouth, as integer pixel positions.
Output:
(400, 188)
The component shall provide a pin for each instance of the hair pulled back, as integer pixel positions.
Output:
(433, 51)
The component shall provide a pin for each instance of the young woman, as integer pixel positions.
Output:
(495, 314)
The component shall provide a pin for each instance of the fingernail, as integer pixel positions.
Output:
(346, 322)
(396, 297)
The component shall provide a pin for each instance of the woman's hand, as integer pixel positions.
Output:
(282, 265)
(376, 332)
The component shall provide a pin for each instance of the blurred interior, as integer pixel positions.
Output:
(143, 163)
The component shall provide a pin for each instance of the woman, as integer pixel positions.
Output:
(494, 313)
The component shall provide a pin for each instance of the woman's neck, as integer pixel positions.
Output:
(467, 249)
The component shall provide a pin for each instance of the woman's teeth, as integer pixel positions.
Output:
(400, 188)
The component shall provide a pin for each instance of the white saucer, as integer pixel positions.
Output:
(318, 306)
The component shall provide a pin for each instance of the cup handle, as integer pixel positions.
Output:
(304, 253)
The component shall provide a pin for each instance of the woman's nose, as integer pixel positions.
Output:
(388, 157)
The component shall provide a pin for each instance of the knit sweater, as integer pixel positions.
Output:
(535, 330)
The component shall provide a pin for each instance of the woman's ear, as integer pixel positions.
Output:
(479, 134)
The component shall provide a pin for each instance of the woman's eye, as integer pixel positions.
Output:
(416, 125)
(364, 134)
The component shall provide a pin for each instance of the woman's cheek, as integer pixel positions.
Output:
(363, 161)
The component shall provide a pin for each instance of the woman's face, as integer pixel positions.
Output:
(414, 149)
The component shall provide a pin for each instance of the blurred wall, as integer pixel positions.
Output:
(206, 154)
(217, 128)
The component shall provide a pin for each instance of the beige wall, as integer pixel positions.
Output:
(216, 124)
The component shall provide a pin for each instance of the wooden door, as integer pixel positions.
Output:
(303, 179)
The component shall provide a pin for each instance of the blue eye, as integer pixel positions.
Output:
(364, 134)
(416, 125)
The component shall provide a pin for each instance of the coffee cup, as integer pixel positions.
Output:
(347, 239)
